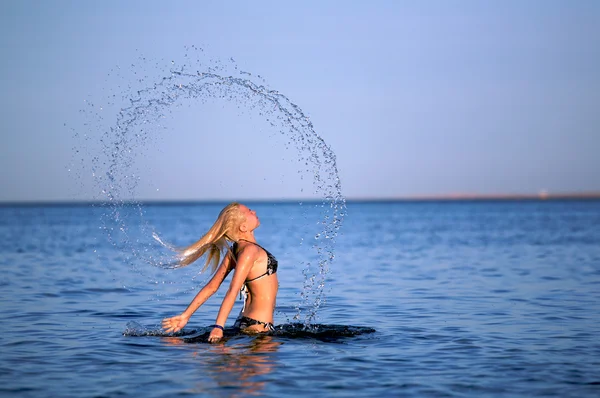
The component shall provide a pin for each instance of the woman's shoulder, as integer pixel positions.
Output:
(246, 250)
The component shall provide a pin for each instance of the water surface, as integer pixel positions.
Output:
(466, 299)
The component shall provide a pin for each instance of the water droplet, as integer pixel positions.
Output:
(138, 125)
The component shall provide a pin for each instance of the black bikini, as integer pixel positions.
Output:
(244, 322)
(271, 260)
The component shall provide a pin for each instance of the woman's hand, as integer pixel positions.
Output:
(175, 324)
(215, 335)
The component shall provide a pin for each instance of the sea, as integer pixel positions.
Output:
(476, 298)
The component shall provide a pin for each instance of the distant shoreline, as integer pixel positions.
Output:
(541, 197)
(491, 197)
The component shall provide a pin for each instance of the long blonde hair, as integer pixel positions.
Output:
(214, 242)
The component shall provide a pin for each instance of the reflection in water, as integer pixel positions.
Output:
(237, 369)
(240, 363)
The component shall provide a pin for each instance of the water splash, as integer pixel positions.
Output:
(147, 100)
(135, 329)
(321, 332)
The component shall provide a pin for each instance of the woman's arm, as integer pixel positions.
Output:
(246, 260)
(176, 323)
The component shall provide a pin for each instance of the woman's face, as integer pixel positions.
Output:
(251, 220)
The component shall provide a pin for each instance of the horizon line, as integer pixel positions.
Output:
(453, 197)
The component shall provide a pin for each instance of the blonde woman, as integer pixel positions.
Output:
(254, 273)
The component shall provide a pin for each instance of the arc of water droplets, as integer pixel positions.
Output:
(131, 134)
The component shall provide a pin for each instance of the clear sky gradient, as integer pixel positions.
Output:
(415, 98)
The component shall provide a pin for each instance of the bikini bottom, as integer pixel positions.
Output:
(243, 322)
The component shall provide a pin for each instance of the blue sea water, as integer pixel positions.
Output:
(466, 298)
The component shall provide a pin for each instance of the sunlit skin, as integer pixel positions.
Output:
(251, 262)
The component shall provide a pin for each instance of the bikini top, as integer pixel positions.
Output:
(271, 260)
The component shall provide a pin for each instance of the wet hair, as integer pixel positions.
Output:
(214, 242)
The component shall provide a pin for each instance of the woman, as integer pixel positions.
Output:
(254, 273)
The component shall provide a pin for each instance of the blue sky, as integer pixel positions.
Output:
(414, 98)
